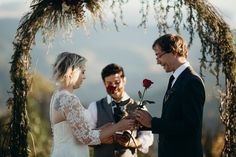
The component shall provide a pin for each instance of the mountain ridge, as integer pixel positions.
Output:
(130, 47)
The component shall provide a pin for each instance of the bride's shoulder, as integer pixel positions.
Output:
(65, 93)
(65, 98)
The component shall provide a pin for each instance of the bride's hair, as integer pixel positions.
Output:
(65, 61)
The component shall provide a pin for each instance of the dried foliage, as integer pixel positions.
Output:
(49, 16)
(116, 8)
(39, 136)
(218, 51)
(217, 42)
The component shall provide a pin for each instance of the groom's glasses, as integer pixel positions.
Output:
(160, 55)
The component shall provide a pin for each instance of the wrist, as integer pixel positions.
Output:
(117, 126)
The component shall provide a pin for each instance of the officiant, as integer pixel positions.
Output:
(113, 107)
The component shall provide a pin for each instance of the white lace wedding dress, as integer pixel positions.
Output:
(72, 136)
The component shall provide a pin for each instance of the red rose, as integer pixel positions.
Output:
(110, 88)
(147, 83)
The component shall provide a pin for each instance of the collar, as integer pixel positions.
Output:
(180, 69)
(110, 99)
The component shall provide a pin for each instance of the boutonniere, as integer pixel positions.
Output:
(171, 91)
(168, 94)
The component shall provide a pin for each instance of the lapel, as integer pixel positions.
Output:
(171, 92)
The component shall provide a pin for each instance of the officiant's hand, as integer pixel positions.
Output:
(144, 118)
(108, 140)
(126, 124)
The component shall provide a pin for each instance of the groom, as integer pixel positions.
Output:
(110, 109)
(180, 125)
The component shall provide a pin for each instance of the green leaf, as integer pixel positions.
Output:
(149, 101)
(139, 94)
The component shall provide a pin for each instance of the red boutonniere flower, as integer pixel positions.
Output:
(110, 89)
(146, 84)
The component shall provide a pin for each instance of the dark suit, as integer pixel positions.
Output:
(180, 125)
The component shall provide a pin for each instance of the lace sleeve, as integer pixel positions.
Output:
(76, 115)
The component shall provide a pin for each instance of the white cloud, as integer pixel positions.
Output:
(150, 59)
(94, 66)
(227, 10)
(13, 8)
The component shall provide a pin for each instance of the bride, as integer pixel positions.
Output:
(69, 119)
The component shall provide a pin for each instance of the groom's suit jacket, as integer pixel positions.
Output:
(180, 125)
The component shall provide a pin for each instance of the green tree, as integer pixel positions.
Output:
(40, 134)
(39, 137)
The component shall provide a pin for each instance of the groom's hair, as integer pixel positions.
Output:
(112, 69)
(172, 43)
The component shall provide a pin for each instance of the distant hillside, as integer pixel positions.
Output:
(131, 47)
(98, 48)
(7, 31)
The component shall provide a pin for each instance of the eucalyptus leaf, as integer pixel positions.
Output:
(144, 103)
(149, 101)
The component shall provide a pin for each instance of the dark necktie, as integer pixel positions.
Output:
(171, 79)
(118, 112)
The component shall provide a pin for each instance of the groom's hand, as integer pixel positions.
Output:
(144, 118)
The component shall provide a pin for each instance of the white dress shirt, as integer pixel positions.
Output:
(145, 137)
(179, 70)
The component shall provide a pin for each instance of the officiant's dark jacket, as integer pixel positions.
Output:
(180, 125)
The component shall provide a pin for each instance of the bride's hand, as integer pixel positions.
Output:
(107, 125)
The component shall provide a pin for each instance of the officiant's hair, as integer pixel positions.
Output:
(112, 69)
(172, 43)
(66, 60)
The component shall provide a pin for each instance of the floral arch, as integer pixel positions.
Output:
(218, 51)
